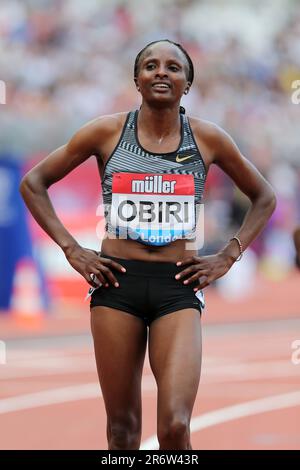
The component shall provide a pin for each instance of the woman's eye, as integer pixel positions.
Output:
(151, 66)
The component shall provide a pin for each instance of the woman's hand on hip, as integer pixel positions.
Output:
(205, 269)
(92, 267)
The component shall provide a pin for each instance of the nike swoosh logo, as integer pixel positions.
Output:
(181, 159)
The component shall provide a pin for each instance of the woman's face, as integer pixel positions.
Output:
(162, 74)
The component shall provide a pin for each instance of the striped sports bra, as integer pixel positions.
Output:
(149, 197)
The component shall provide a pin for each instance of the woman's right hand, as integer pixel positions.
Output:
(87, 262)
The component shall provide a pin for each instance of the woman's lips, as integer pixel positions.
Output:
(161, 87)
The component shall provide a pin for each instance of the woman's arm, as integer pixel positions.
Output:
(53, 168)
(263, 201)
(252, 184)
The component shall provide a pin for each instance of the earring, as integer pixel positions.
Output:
(186, 92)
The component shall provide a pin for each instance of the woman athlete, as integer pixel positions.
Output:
(146, 280)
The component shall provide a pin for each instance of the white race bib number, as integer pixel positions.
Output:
(155, 208)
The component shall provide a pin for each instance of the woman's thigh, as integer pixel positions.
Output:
(175, 351)
(120, 341)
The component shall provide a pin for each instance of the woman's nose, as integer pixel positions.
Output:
(161, 72)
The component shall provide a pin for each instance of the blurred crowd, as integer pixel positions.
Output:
(65, 62)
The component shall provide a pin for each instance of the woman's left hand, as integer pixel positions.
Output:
(206, 269)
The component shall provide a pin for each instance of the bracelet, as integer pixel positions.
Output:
(240, 247)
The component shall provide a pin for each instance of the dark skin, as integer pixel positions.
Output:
(175, 339)
(296, 238)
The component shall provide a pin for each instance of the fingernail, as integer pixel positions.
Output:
(185, 282)
(116, 284)
(178, 263)
(177, 276)
(124, 270)
(106, 285)
(195, 289)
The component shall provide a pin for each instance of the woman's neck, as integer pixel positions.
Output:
(159, 123)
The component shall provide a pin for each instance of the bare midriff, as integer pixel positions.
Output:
(131, 249)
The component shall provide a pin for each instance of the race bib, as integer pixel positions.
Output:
(153, 208)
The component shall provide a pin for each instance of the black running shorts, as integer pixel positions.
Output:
(147, 290)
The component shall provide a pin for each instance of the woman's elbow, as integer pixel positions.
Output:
(30, 182)
(268, 199)
(23, 186)
(273, 201)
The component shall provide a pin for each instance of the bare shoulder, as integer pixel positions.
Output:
(214, 137)
(105, 126)
(209, 137)
(207, 130)
(91, 137)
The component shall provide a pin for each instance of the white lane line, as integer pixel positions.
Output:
(60, 395)
(72, 370)
(50, 366)
(237, 371)
(231, 413)
(241, 372)
(49, 397)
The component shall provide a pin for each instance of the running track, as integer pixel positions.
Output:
(249, 396)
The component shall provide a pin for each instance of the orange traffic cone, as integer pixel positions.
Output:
(27, 306)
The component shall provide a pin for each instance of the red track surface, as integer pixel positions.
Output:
(50, 398)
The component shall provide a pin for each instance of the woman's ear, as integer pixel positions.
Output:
(187, 88)
(136, 84)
